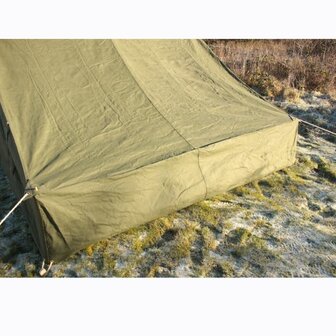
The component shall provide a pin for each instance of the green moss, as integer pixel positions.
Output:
(240, 236)
(295, 174)
(183, 242)
(153, 271)
(327, 170)
(227, 197)
(125, 272)
(258, 192)
(276, 205)
(151, 234)
(89, 250)
(255, 249)
(137, 245)
(129, 267)
(209, 239)
(274, 181)
(247, 214)
(257, 243)
(144, 236)
(202, 212)
(4, 269)
(333, 271)
(261, 222)
(227, 269)
(295, 190)
(252, 189)
(306, 215)
(101, 246)
(228, 225)
(30, 270)
(108, 260)
(240, 251)
(300, 169)
(244, 243)
(241, 191)
(207, 265)
(306, 163)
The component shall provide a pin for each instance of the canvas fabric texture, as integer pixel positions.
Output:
(116, 133)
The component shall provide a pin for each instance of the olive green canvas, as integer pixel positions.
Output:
(114, 133)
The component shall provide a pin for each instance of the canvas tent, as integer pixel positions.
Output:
(109, 134)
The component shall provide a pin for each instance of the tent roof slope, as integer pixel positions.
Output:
(127, 103)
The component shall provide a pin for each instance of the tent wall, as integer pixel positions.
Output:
(101, 208)
(11, 164)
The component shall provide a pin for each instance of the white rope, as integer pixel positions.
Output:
(321, 128)
(15, 206)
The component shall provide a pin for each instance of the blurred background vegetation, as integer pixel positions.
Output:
(281, 69)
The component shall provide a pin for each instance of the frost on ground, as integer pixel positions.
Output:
(281, 226)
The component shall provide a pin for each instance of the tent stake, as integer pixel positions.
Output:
(44, 271)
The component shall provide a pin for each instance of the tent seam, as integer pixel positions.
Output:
(89, 71)
(138, 84)
(183, 153)
(240, 81)
(235, 136)
(199, 166)
(64, 138)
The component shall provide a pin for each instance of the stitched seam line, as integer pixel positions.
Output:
(140, 87)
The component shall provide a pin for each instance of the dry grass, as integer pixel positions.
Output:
(280, 67)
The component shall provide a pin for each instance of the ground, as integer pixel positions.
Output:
(281, 226)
